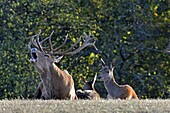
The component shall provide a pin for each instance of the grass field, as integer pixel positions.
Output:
(85, 106)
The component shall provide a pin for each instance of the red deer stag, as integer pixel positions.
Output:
(55, 84)
(115, 90)
(88, 91)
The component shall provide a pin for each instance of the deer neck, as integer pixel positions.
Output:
(111, 83)
(50, 78)
(112, 87)
(52, 72)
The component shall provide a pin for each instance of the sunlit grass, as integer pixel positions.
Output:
(84, 106)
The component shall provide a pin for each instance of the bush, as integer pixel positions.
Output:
(133, 33)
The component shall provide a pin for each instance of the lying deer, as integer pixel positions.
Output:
(115, 90)
(56, 83)
(88, 91)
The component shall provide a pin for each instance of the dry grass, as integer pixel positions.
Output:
(84, 106)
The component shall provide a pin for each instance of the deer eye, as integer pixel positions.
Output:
(47, 55)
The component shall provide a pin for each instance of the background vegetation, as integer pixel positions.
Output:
(134, 32)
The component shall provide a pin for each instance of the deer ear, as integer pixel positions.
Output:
(112, 64)
(94, 79)
(112, 67)
(58, 59)
(83, 79)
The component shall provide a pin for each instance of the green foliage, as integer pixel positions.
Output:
(135, 33)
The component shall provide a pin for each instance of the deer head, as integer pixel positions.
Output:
(106, 72)
(43, 57)
(89, 85)
(88, 91)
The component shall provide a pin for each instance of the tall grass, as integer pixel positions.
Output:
(85, 106)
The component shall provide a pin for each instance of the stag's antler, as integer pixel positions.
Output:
(102, 61)
(54, 51)
(36, 42)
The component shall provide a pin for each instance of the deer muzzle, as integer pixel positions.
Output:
(34, 55)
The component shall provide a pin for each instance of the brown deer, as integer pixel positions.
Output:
(115, 90)
(56, 83)
(88, 91)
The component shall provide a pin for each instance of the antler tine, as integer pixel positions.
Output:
(34, 36)
(50, 43)
(44, 40)
(88, 39)
(103, 63)
(87, 36)
(32, 42)
(66, 37)
(84, 45)
(38, 42)
(73, 45)
(66, 52)
(29, 45)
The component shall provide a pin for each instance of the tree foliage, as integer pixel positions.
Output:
(134, 32)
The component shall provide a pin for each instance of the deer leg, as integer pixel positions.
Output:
(109, 96)
(73, 95)
(38, 91)
(44, 95)
(38, 94)
(129, 97)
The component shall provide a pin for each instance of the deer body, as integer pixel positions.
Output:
(119, 91)
(56, 83)
(115, 90)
